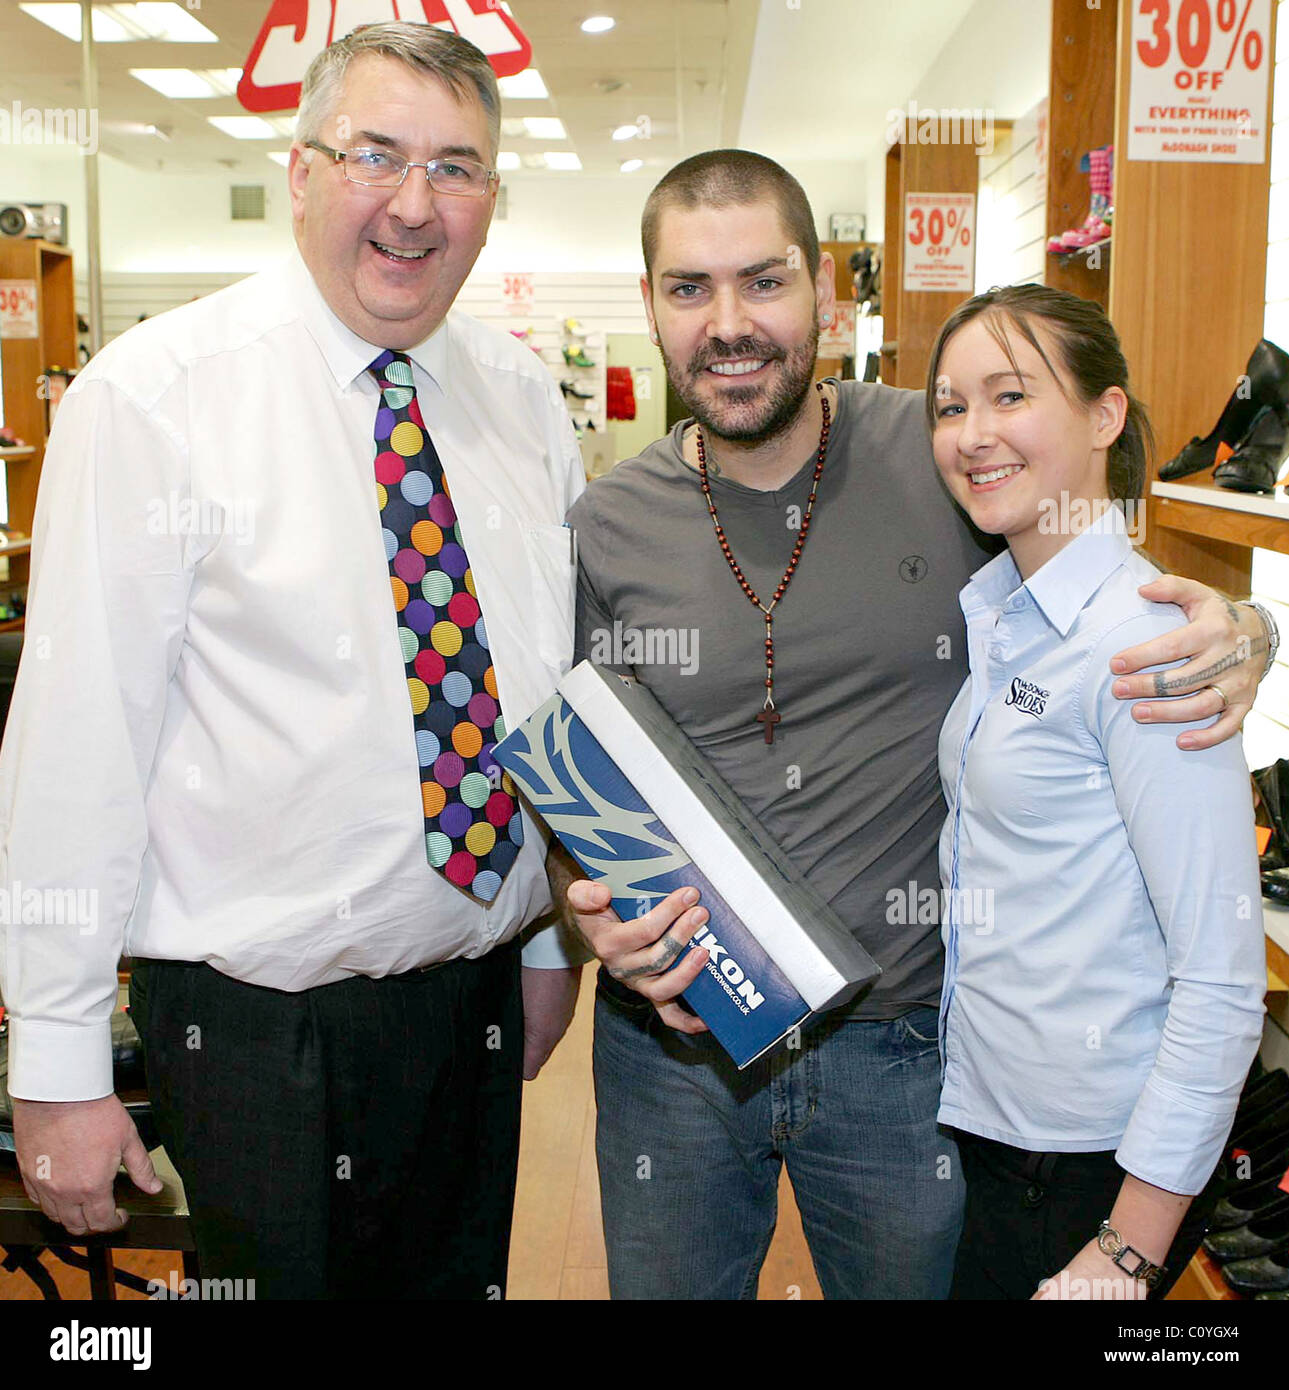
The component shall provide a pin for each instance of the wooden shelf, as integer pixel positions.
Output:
(16, 451)
(1202, 1281)
(1218, 514)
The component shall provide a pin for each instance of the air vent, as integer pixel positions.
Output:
(246, 202)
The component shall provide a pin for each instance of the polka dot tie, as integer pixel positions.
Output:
(472, 825)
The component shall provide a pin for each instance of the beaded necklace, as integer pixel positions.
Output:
(769, 715)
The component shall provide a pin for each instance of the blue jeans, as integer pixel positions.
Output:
(690, 1150)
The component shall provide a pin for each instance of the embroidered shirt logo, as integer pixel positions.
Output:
(1030, 699)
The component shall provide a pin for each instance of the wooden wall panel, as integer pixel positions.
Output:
(1187, 287)
(1081, 117)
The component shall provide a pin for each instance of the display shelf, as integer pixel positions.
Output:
(1202, 1281)
(1275, 922)
(27, 361)
(1218, 514)
(15, 451)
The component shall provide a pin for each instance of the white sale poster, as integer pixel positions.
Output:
(1198, 83)
(940, 242)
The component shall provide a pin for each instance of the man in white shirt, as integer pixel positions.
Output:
(211, 740)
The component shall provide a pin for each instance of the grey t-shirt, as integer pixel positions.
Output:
(869, 649)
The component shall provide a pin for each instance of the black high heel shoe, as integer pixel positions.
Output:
(1268, 374)
(1273, 791)
(1256, 463)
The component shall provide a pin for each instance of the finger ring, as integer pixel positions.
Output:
(1214, 686)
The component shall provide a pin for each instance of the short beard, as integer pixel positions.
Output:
(781, 406)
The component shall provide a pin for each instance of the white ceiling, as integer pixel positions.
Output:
(798, 79)
(825, 73)
(680, 63)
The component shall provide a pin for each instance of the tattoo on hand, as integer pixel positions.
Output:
(1166, 683)
(1231, 611)
(671, 948)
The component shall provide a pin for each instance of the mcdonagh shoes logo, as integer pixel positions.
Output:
(295, 31)
(1029, 699)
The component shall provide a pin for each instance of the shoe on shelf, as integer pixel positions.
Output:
(569, 388)
(1268, 1130)
(1256, 462)
(1097, 225)
(576, 357)
(1267, 1093)
(1264, 1274)
(1267, 384)
(1240, 1207)
(1268, 1230)
(1272, 784)
(1275, 886)
(574, 329)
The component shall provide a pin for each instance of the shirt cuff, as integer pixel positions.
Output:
(1172, 1145)
(55, 1061)
(552, 945)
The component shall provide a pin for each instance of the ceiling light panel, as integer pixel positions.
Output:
(190, 84)
(545, 128)
(524, 86)
(155, 20)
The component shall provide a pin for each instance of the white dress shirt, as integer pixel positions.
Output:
(210, 753)
(1105, 963)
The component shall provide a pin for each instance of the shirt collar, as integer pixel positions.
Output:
(346, 354)
(1061, 587)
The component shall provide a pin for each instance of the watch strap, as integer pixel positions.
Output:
(1130, 1260)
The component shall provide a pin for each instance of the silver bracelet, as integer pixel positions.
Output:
(1273, 633)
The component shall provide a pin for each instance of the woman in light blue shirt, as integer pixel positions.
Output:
(1104, 954)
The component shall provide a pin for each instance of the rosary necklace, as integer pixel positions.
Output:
(769, 715)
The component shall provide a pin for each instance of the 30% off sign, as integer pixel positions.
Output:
(1199, 81)
(940, 241)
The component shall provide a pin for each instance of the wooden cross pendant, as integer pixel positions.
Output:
(769, 717)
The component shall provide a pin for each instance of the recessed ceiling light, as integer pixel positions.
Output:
(598, 24)
(562, 159)
(246, 127)
(187, 83)
(523, 86)
(629, 166)
(545, 127)
(282, 157)
(158, 20)
(508, 159)
(626, 132)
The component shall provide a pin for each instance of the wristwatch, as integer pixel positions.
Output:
(1114, 1245)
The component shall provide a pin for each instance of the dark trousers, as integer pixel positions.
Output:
(1029, 1214)
(356, 1140)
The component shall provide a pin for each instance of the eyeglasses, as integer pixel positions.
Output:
(382, 169)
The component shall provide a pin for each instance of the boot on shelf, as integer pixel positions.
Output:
(1098, 224)
(1265, 384)
(1255, 465)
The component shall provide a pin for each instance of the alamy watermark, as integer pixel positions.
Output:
(1068, 516)
(49, 907)
(970, 907)
(49, 125)
(648, 646)
(930, 125)
(189, 516)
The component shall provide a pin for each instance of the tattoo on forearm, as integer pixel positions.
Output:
(1166, 683)
(670, 947)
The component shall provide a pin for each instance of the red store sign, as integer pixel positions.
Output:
(296, 31)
